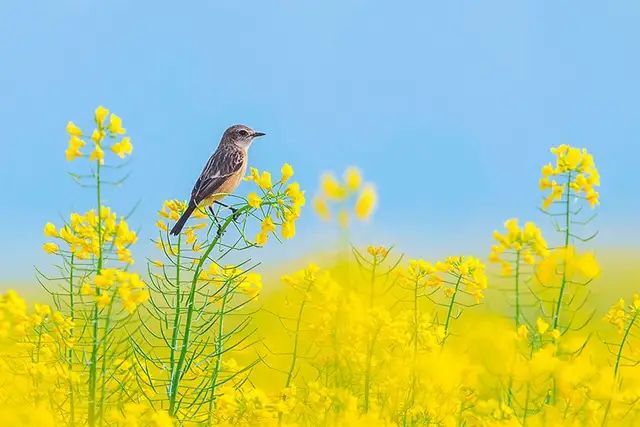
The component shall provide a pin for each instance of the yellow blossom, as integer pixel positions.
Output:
(115, 125)
(541, 326)
(101, 114)
(50, 230)
(250, 284)
(287, 172)
(97, 154)
(254, 200)
(73, 130)
(97, 136)
(51, 248)
(332, 188)
(523, 332)
(103, 300)
(288, 229)
(366, 203)
(73, 149)
(353, 178)
(123, 147)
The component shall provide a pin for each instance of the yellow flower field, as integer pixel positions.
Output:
(532, 332)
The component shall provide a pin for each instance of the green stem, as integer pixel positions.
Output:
(72, 410)
(95, 340)
(414, 379)
(372, 281)
(567, 233)
(103, 369)
(367, 377)
(517, 289)
(176, 320)
(526, 407)
(177, 375)
(370, 346)
(294, 353)
(219, 348)
(624, 340)
(450, 310)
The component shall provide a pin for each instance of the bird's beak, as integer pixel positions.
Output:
(257, 134)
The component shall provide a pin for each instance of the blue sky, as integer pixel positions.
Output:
(449, 107)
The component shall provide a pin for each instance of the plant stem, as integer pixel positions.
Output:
(367, 377)
(453, 300)
(95, 340)
(70, 353)
(294, 354)
(622, 343)
(176, 319)
(103, 369)
(372, 281)
(219, 349)
(177, 374)
(567, 233)
(518, 288)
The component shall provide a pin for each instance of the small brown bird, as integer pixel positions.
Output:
(222, 173)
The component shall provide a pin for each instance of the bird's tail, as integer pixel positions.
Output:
(183, 219)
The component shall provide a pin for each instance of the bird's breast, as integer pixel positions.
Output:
(227, 187)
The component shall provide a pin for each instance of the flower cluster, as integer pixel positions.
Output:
(468, 275)
(620, 313)
(139, 415)
(283, 200)
(107, 125)
(422, 273)
(85, 234)
(572, 265)
(309, 277)
(42, 332)
(170, 212)
(109, 283)
(351, 190)
(525, 242)
(575, 171)
(378, 252)
(248, 283)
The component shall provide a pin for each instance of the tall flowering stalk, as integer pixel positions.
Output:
(570, 185)
(518, 250)
(462, 280)
(95, 289)
(625, 317)
(421, 281)
(196, 317)
(377, 270)
(304, 284)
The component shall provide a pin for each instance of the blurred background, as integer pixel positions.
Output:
(450, 109)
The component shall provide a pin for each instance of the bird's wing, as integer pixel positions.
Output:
(221, 165)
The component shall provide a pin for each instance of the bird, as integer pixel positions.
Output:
(223, 172)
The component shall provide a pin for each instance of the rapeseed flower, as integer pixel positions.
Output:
(122, 148)
(351, 194)
(287, 172)
(525, 243)
(574, 171)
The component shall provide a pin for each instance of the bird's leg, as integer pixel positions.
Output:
(215, 218)
(234, 211)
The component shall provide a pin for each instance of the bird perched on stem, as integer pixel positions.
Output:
(222, 173)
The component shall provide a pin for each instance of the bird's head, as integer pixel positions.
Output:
(240, 135)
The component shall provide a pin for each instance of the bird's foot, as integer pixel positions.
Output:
(235, 214)
(218, 225)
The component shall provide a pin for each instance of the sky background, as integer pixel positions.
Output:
(448, 107)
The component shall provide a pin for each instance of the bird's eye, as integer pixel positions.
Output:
(243, 132)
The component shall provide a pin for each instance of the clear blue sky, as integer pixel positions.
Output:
(449, 107)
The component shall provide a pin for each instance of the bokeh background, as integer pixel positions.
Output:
(448, 107)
